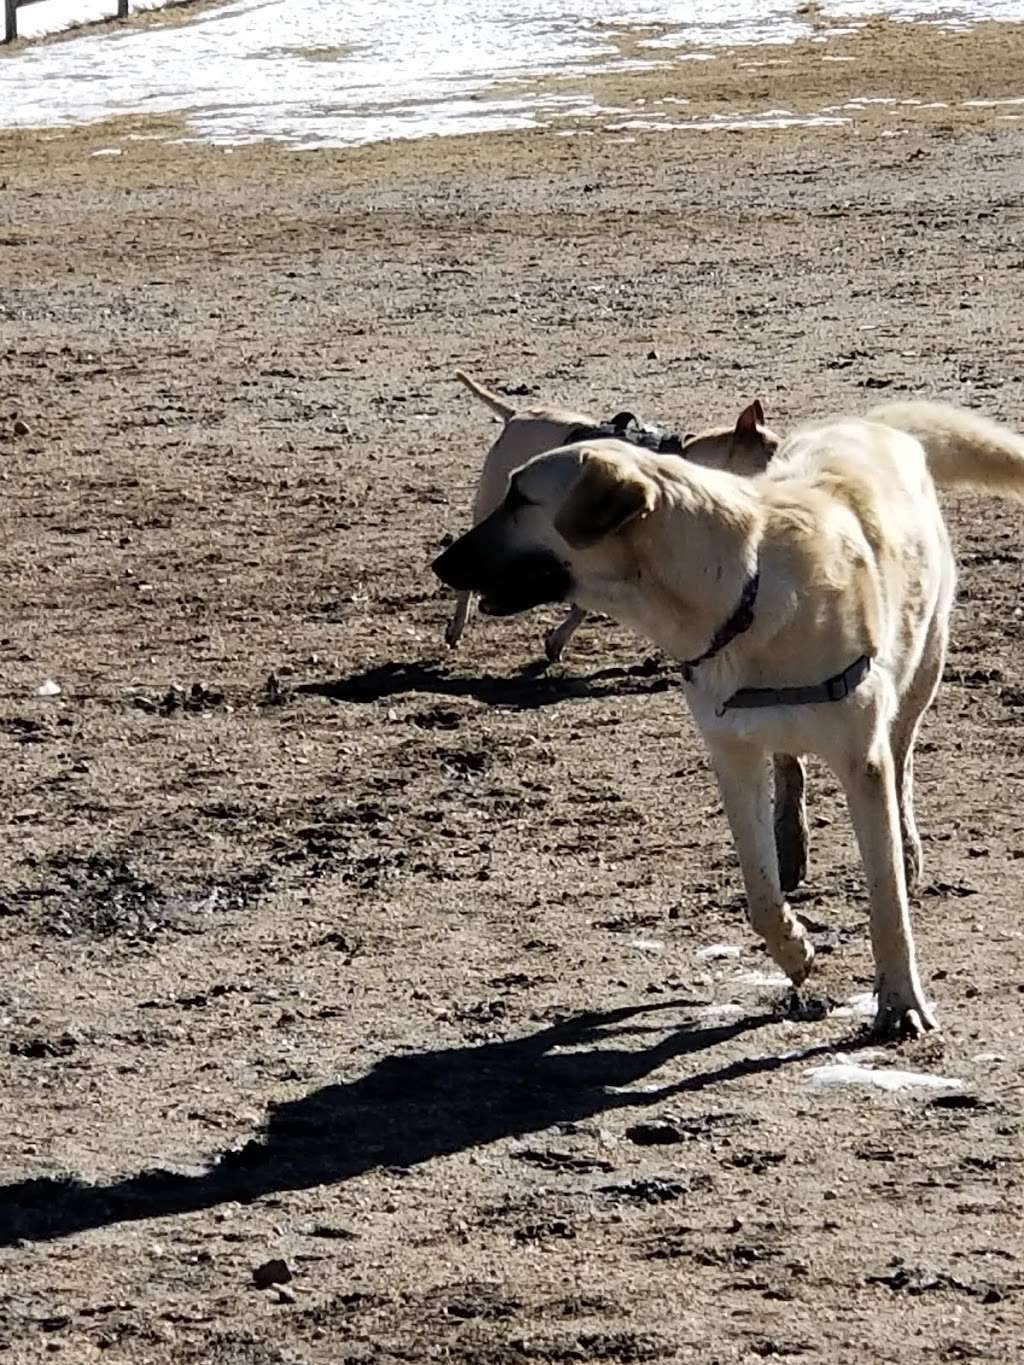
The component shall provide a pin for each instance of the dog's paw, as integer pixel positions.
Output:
(903, 1014)
(795, 955)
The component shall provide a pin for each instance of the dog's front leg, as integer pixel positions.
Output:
(557, 638)
(745, 780)
(791, 835)
(871, 792)
(455, 627)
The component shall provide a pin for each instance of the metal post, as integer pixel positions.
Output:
(122, 9)
(10, 20)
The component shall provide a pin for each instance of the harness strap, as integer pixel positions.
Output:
(835, 688)
(625, 427)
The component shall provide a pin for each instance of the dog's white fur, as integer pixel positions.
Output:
(847, 535)
(745, 448)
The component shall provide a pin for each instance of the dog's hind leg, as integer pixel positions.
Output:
(791, 834)
(904, 735)
(559, 636)
(871, 792)
(745, 781)
(913, 857)
(457, 624)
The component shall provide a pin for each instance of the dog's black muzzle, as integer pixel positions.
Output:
(507, 583)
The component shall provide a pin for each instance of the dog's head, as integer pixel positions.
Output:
(564, 521)
(745, 448)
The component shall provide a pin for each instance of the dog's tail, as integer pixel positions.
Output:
(963, 450)
(504, 410)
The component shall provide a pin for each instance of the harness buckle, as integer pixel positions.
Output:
(837, 688)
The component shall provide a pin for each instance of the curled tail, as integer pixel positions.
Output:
(504, 410)
(963, 450)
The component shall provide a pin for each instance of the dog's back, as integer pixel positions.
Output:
(527, 434)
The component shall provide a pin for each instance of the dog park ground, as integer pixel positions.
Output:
(415, 988)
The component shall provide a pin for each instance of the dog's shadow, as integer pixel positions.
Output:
(405, 1111)
(532, 687)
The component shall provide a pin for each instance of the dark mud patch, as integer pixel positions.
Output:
(103, 896)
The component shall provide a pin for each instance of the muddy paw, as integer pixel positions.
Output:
(795, 956)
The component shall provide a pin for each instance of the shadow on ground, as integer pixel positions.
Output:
(405, 1111)
(533, 687)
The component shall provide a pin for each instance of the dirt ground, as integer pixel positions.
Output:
(322, 946)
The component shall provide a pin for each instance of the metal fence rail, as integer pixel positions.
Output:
(11, 8)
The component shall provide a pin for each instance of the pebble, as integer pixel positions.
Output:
(275, 1272)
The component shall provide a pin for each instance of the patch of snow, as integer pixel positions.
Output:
(770, 980)
(842, 1071)
(647, 945)
(55, 15)
(861, 1006)
(715, 952)
(723, 1011)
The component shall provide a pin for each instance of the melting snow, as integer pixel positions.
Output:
(844, 1072)
(714, 952)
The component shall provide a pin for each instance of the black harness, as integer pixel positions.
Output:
(836, 688)
(625, 427)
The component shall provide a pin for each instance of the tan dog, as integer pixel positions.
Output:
(810, 605)
(745, 448)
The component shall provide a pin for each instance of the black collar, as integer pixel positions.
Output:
(741, 619)
(836, 688)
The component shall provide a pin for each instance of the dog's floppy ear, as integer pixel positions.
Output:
(604, 498)
(749, 420)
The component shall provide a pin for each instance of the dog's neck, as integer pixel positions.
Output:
(692, 556)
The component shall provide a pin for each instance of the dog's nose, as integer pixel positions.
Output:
(453, 567)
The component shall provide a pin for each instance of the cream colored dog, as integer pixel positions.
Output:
(810, 606)
(745, 448)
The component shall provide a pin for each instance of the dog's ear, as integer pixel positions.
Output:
(753, 444)
(749, 420)
(604, 499)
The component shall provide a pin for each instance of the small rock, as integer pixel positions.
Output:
(655, 1134)
(22, 428)
(275, 692)
(652, 354)
(49, 688)
(270, 1273)
(283, 1295)
(55, 1323)
(332, 1231)
(958, 1102)
(44, 1047)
